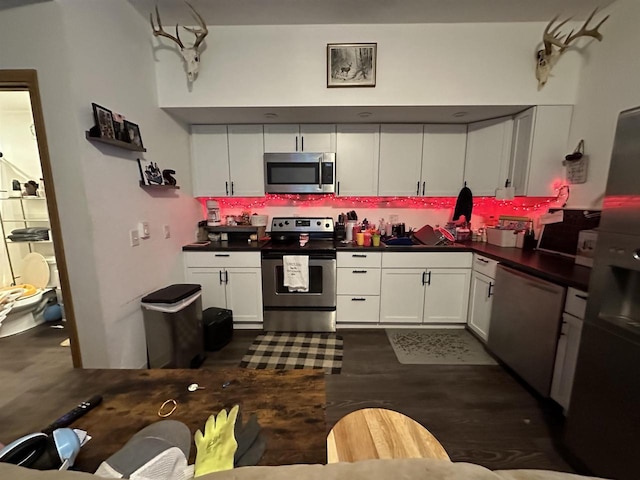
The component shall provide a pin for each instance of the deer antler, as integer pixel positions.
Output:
(201, 32)
(159, 31)
(553, 37)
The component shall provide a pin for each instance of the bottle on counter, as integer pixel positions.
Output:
(529, 242)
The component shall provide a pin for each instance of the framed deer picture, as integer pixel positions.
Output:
(351, 64)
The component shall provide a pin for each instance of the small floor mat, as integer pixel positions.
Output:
(438, 347)
(295, 351)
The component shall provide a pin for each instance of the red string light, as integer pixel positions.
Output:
(482, 206)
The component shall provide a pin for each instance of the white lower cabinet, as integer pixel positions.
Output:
(358, 288)
(224, 285)
(481, 295)
(424, 295)
(568, 347)
(480, 302)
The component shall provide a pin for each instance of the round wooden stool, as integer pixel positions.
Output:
(373, 433)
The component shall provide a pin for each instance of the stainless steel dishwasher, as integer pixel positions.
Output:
(525, 324)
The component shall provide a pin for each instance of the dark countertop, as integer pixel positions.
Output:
(555, 268)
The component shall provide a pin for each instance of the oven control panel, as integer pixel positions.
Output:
(302, 224)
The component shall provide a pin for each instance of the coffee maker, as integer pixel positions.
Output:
(213, 213)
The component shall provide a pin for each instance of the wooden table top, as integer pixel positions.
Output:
(373, 433)
(290, 406)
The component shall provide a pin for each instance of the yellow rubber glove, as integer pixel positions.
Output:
(218, 445)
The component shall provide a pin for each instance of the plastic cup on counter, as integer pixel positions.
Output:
(375, 238)
(356, 230)
(360, 238)
(366, 241)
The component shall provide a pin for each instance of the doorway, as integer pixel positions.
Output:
(29, 218)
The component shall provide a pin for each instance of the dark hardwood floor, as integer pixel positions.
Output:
(480, 414)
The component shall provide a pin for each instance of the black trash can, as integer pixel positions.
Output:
(173, 326)
(218, 328)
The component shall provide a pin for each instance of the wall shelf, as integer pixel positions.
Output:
(159, 187)
(115, 143)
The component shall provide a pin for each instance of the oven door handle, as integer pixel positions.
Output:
(314, 256)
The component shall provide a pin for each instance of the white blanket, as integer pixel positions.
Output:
(296, 272)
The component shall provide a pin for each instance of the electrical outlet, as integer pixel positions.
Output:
(134, 238)
(167, 231)
(143, 228)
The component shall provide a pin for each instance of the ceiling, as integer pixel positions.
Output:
(304, 12)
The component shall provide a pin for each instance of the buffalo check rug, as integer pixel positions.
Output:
(295, 351)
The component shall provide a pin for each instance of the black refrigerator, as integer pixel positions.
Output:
(603, 421)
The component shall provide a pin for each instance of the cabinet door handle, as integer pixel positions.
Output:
(359, 271)
(418, 188)
(423, 280)
(358, 255)
(221, 255)
(226, 188)
(220, 274)
(490, 290)
(358, 299)
(581, 297)
(429, 278)
(226, 277)
(231, 188)
(423, 185)
(483, 260)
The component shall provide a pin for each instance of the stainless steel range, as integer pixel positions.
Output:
(313, 310)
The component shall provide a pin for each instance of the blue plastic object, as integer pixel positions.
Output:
(52, 313)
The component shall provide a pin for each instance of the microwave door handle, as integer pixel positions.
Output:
(320, 172)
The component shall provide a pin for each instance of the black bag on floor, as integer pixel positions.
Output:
(218, 328)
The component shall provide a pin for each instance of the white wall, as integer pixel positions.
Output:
(609, 83)
(95, 51)
(434, 64)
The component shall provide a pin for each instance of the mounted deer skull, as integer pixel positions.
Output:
(552, 37)
(190, 54)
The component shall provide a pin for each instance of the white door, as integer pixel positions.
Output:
(400, 160)
(209, 160)
(480, 301)
(523, 125)
(488, 153)
(357, 156)
(443, 153)
(566, 359)
(213, 287)
(402, 295)
(246, 162)
(244, 294)
(319, 138)
(447, 295)
(281, 138)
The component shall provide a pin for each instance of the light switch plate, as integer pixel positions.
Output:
(134, 239)
(143, 229)
(167, 231)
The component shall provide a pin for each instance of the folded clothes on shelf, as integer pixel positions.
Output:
(30, 234)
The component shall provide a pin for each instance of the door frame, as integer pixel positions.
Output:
(28, 80)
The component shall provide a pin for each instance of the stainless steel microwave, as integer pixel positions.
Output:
(300, 172)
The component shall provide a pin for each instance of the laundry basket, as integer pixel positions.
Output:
(173, 326)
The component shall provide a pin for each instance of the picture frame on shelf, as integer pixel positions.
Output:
(150, 173)
(351, 64)
(133, 133)
(118, 127)
(103, 118)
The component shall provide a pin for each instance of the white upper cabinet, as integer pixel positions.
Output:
(209, 160)
(357, 157)
(488, 155)
(246, 164)
(299, 138)
(400, 160)
(443, 154)
(540, 138)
